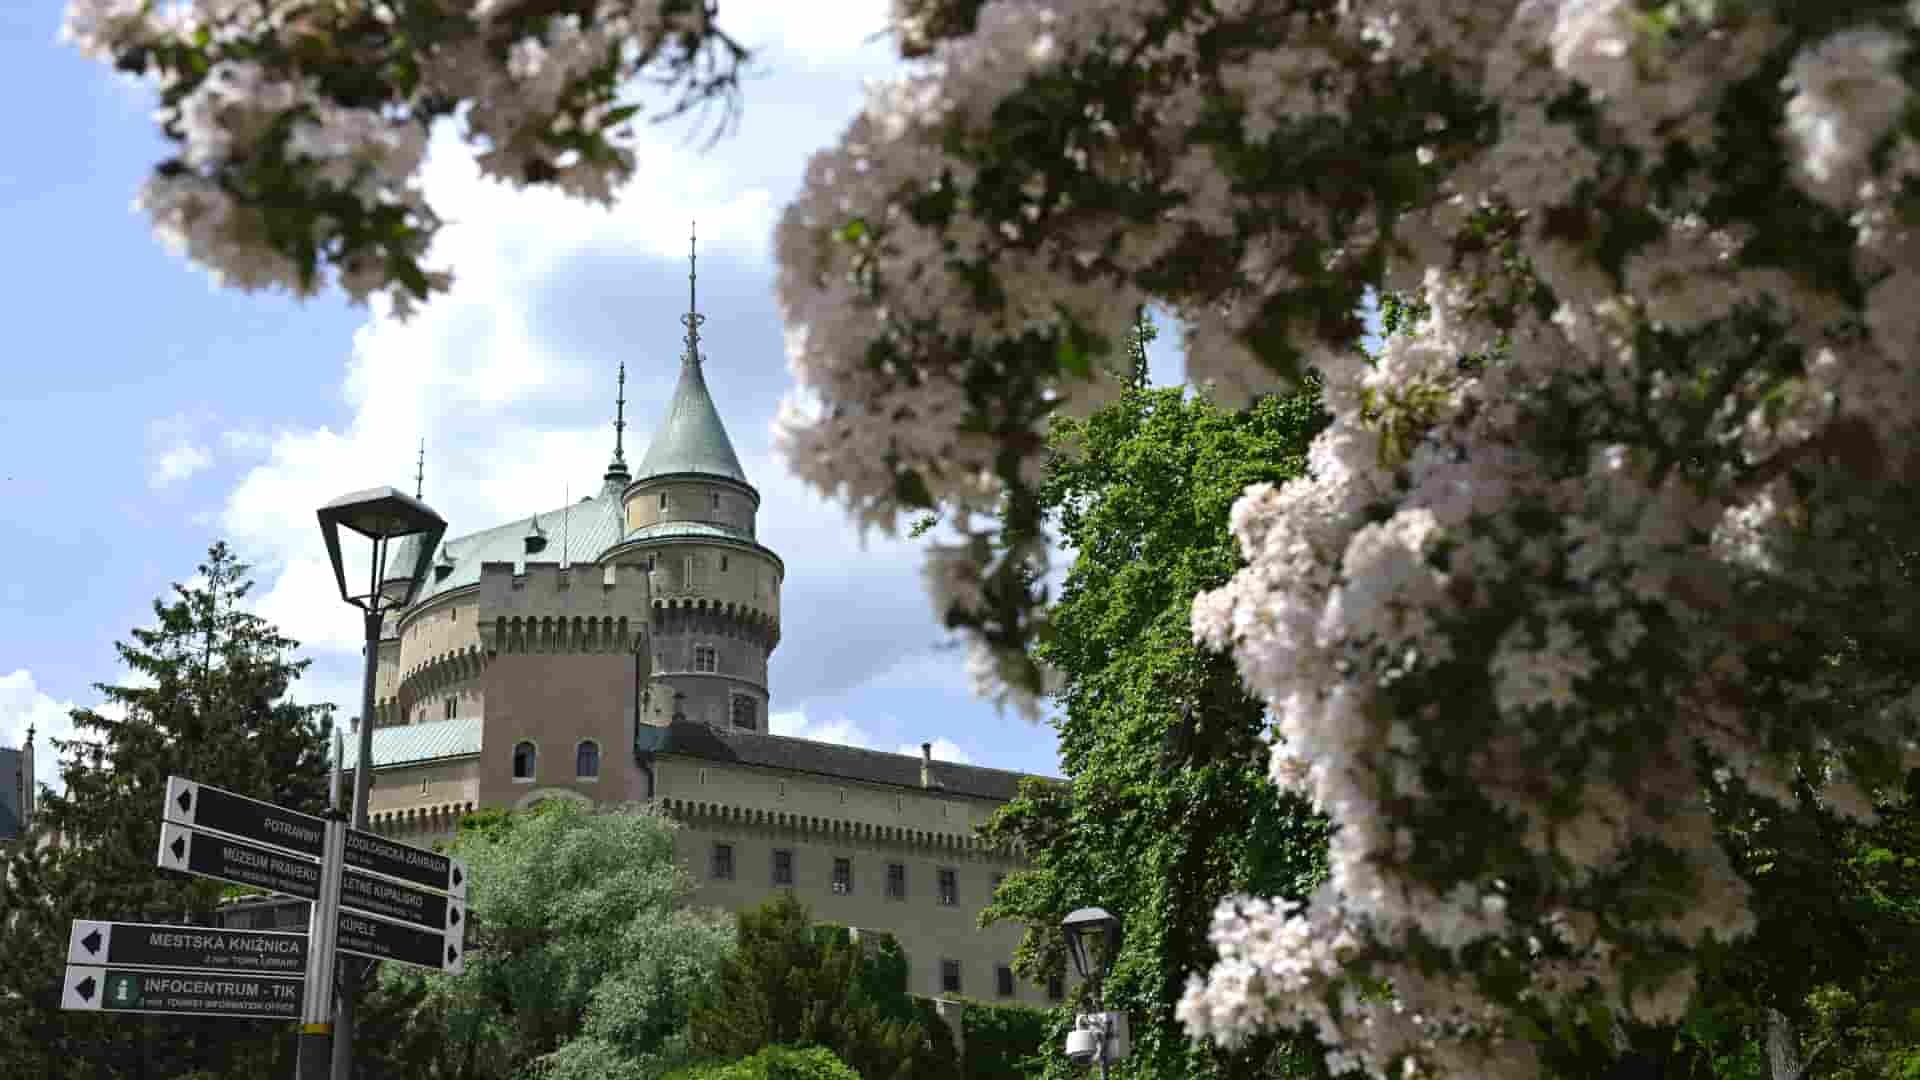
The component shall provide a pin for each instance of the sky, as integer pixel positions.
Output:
(147, 413)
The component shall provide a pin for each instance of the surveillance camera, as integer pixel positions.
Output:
(1082, 1044)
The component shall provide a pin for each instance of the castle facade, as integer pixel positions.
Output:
(638, 674)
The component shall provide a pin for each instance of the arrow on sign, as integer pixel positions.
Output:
(85, 988)
(185, 800)
(179, 848)
(93, 941)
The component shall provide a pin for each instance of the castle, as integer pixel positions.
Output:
(639, 675)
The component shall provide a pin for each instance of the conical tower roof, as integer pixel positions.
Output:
(692, 439)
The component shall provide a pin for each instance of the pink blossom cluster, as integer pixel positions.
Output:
(527, 84)
(1559, 525)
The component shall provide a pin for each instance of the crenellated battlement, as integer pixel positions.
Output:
(585, 607)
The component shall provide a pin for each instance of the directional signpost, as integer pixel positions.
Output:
(378, 939)
(185, 993)
(210, 855)
(371, 897)
(117, 944)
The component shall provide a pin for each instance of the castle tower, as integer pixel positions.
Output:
(690, 522)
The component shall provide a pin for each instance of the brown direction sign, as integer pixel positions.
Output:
(190, 993)
(410, 904)
(405, 862)
(217, 810)
(214, 856)
(207, 948)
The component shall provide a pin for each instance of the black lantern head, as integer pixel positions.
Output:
(1093, 940)
(397, 535)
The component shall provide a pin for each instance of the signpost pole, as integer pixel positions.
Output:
(316, 1023)
(362, 785)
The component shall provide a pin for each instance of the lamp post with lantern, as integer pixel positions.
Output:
(1093, 941)
(378, 523)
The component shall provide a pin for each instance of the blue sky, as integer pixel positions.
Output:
(147, 413)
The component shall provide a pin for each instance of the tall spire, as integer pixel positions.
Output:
(617, 475)
(692, 319)
(420, 472)
(691, 439)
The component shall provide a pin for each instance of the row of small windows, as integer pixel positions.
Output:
(586, 760)
(946, 891)
(713, 500)
(695, 566)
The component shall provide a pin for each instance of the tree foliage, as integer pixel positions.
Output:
(206, 700)
(584, 954)
(773, 1063)
(790, 982)
(1169, 807)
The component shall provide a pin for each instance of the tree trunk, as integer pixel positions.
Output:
(1783, 1048)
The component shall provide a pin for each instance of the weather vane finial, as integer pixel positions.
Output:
(692, 319)
(620, 416)
(420, 472)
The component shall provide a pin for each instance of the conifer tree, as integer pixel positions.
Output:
(207, 699)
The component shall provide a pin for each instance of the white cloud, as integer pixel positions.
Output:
(175, 451)
(24, 705)
(177, 463)
(839, 730)
(944, 749)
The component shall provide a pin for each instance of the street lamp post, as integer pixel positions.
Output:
(1093, 941)
(382, 518)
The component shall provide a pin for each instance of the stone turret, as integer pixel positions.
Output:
(689, 516)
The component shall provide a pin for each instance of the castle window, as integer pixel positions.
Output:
(722, 862)
(663, 500)
(843, 796)
(586, 760)
(1056, 988)
(705, 658)
(451, 709)
(714, 496)
(949, 886)
(703, 777)
(746, 713)
(949, 976)
(651, 566)
(423, 785)
(524, 760)
(782, 866)
(723, 564)
(782, 789)
(1003, 980)
(896, 881)
(843, 876)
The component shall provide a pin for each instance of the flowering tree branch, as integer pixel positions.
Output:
(1631, 450)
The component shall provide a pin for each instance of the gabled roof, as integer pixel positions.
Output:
(403, 744)
(691, 439)
(733, 747)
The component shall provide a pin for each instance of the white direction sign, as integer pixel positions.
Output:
(206, 948)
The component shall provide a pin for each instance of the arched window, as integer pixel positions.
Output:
(586, 760)
(524, 756)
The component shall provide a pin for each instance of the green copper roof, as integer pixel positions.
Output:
(402, 744)
(692, 440)
(668, 530)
